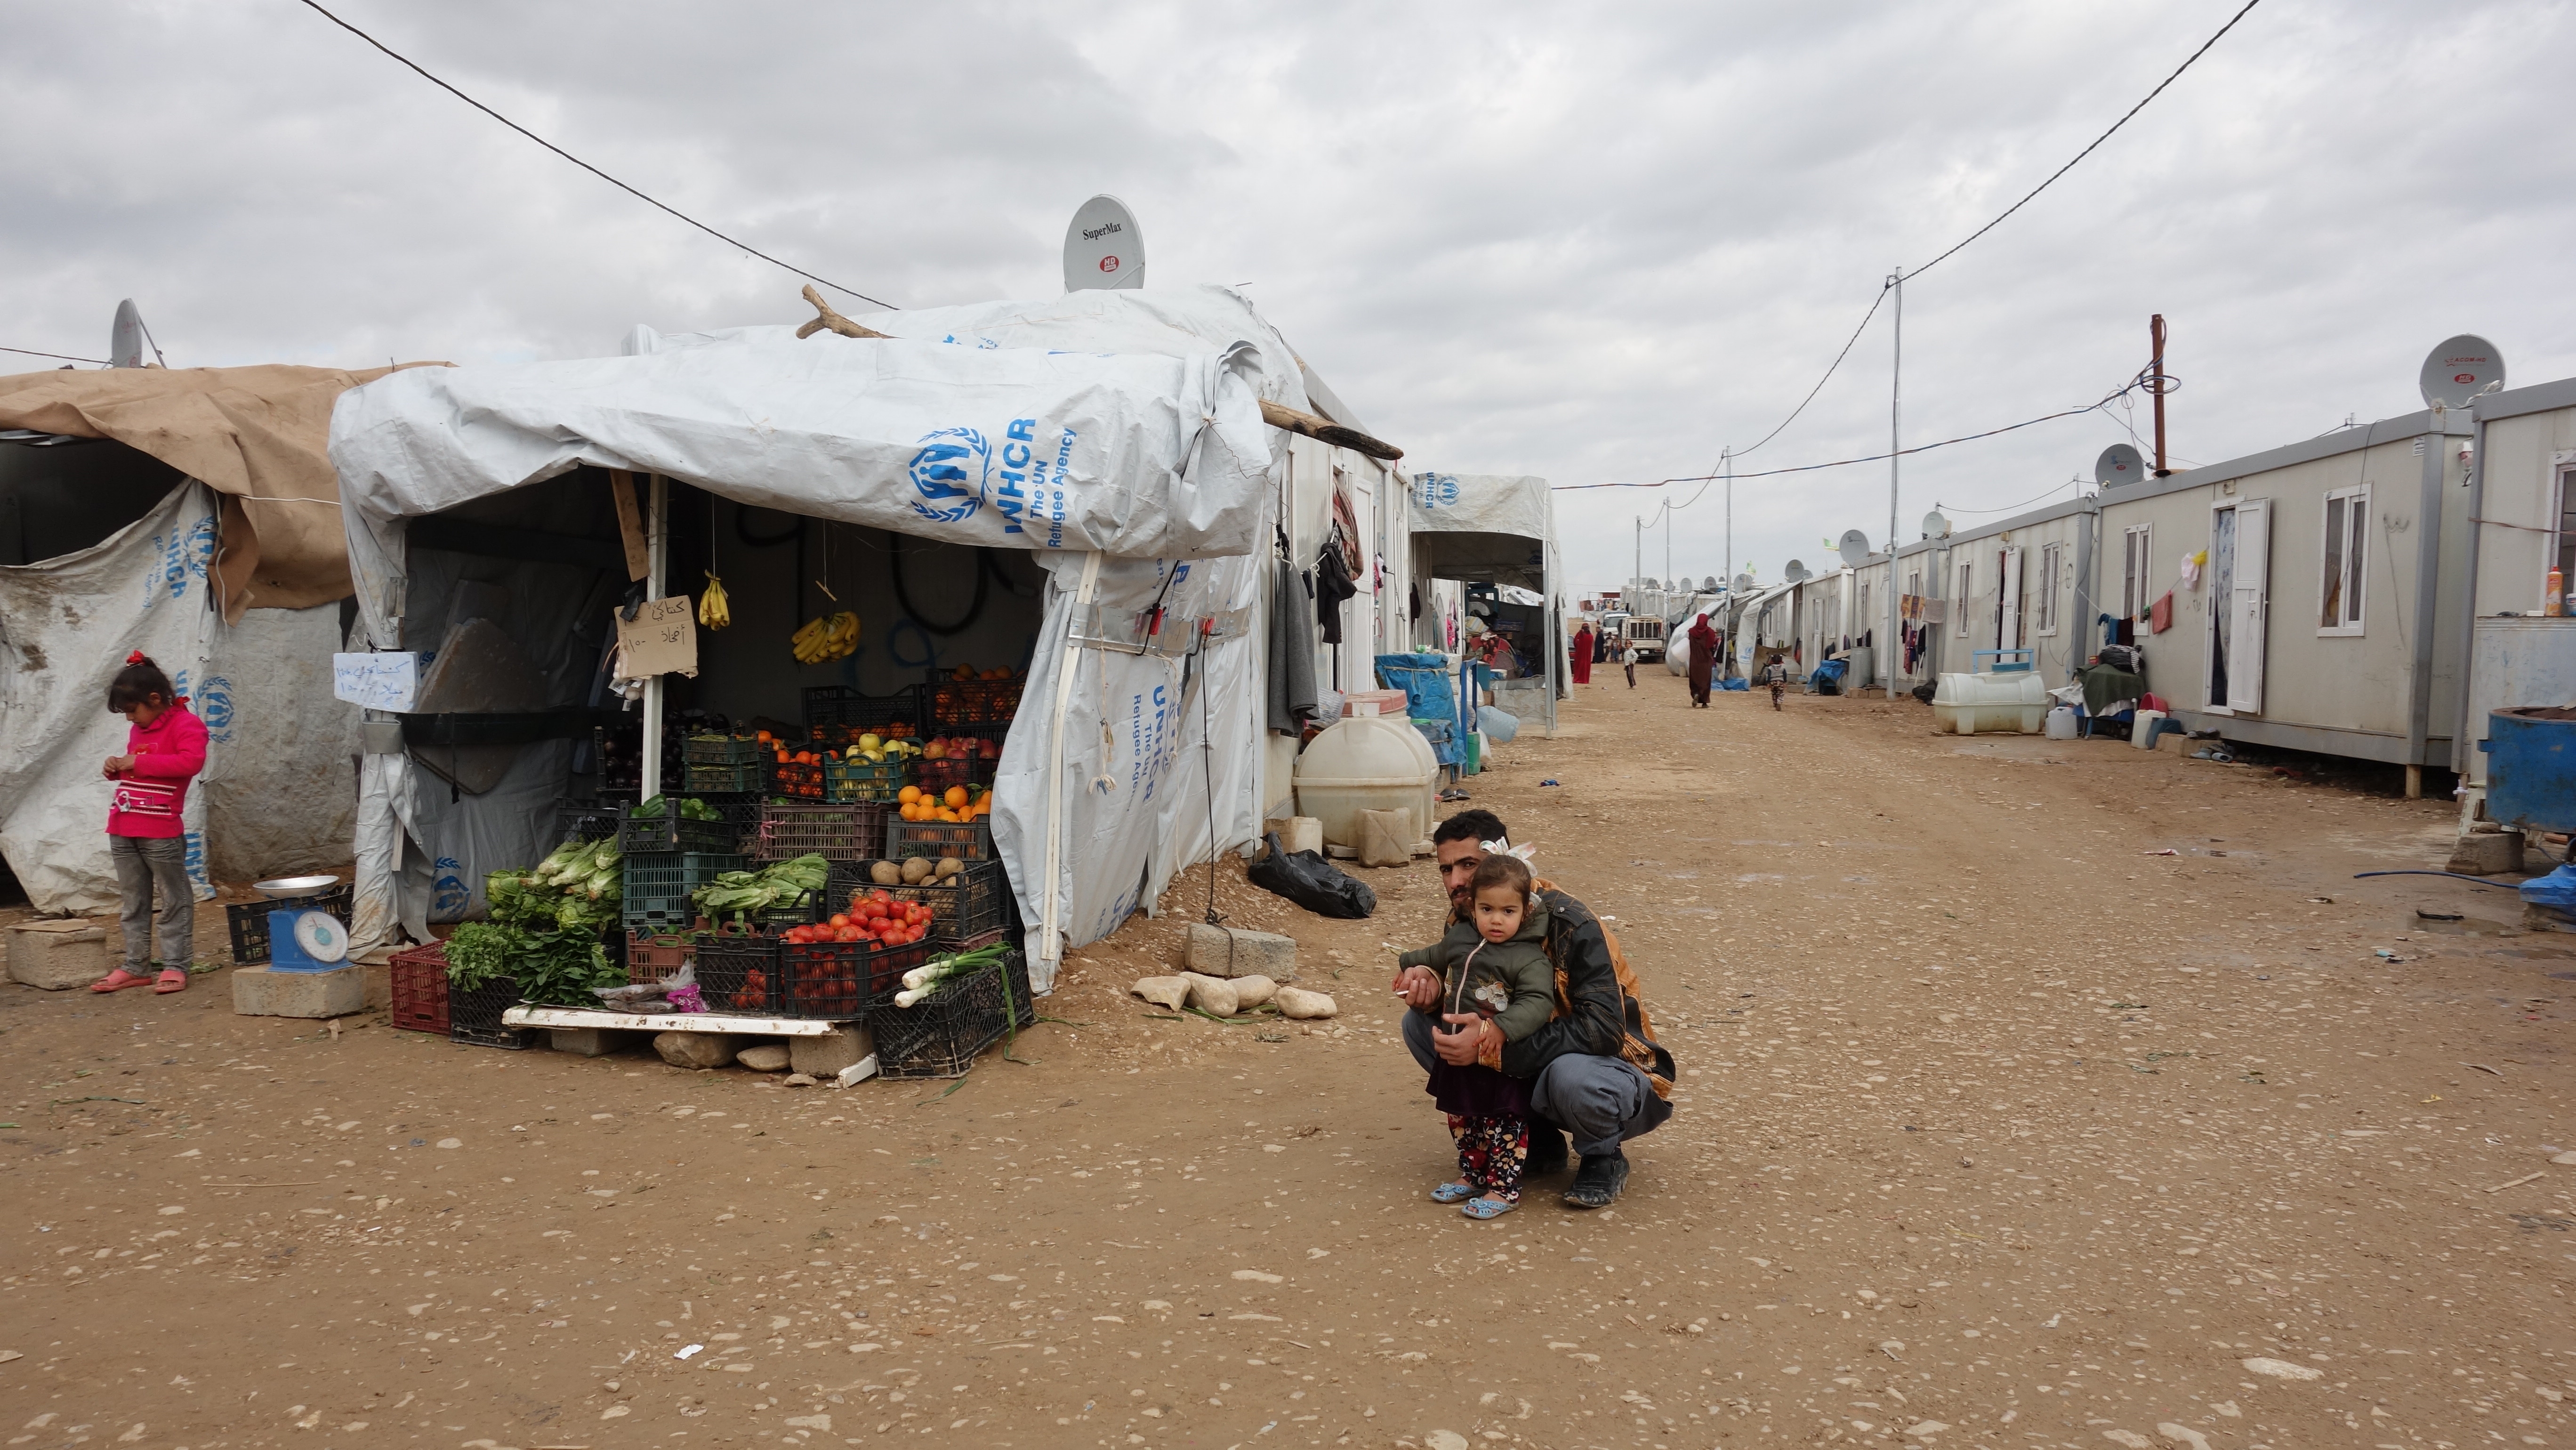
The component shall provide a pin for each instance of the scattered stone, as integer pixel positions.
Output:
(1927, 1428)
(1166, 992)
(2568, 1158)
(1214, 995)
(2130, 1438)
(765, 1057)
(1444, 1440)
(2183, 1435)
(1231, 951)
(2282, 1369)
(1251, 992)
(800, 1079)
(695, 1049)
(451, 1142)
(1304, 1006)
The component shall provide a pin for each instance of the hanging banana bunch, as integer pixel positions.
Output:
(827, 637)
(715, 611)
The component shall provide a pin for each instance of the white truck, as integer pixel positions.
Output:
(1645, 632)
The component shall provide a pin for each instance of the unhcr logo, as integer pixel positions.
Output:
(1437, 490)
(950, 473)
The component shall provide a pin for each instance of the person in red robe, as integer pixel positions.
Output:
(1583, 655)
(1703, 659)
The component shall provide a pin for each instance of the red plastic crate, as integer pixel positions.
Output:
(655, 956)
(420, 988)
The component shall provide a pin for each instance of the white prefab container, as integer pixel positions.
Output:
(1368, 763)
(1991, 704)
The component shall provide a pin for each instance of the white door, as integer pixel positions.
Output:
(2008, 602)
(2250, 605)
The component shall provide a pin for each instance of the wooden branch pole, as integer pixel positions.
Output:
(630, 523)
(826, 320)
(1325, 430)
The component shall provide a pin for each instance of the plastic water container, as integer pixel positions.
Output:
(2061, 723)
(2010, 703)
(1366, 763)
(1497, 724)
(2142, 728)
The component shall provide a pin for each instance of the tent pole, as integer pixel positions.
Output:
(657, 556)
(1050, 927)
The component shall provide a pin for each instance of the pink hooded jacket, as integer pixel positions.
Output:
(167, 753)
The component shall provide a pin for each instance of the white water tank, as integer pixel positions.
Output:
(2006, 703)
(1367, 763)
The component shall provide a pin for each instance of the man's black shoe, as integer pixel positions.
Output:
(1597, 1183)
(1547, 1149)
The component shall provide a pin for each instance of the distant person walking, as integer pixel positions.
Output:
(1776, 675)
(1583, 654)
(1703, 660)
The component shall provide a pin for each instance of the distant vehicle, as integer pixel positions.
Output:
(1647, 634)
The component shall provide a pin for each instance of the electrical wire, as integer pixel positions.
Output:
(2087, 151)
(424, 74)
(60, 356)
(1874, 304)
(2008, 508)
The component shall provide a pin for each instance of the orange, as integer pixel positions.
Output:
(956, 796)
(908, 794)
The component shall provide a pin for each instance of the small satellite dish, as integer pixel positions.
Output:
(1935, 526)
(2119, 464)
(1796, 572)
(2458, 370)
(1854, 547)
(322, 936)
(125, 341)
(1743, 582)
(1651, 584)
(1709, 582)
(1103, 247)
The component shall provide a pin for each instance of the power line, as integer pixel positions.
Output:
(2008, 508)
(2087, 151)
(1829, 373)
(63, 356)
(424, 74)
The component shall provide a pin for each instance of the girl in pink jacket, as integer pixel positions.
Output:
(164, 750)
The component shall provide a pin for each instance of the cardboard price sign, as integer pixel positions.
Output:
(661, 639)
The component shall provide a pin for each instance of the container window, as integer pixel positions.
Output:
(2050, 556)
(1967, 574)
(2346, 533)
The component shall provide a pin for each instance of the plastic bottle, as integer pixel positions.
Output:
(2557, 603)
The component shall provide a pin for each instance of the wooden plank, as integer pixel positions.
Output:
(630, 523)
(666, 1022)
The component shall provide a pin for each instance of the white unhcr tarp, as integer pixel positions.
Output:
(1488, 527)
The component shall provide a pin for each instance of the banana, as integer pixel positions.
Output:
(827, 637)
(715, 611)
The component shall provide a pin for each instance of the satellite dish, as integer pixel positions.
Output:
(2120, 464)
(125, 341)
(2458, 370)
(1103, 247)
(1651, 584)
(1796, 572)
(1935, 526)
(1743, 582)
(1710, 582)
(322, 936)
(1854, 547)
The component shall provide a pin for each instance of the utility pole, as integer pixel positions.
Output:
(1888, 647)
(2156, 385)
(1726, 466)
(1637, 566)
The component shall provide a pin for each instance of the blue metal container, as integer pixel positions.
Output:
(2531, 767)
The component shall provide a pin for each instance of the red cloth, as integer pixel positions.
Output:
(1582, 660)
(2160, 614)
(167, 754)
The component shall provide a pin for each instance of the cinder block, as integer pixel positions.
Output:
(259, 992)
(2487, 853)
(57, 955)
(587, 1041)
(1231, 951)
(828, 1055)
(1299, 833)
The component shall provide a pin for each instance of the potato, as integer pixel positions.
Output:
(948, 866)
(916, 871)
(886, 873)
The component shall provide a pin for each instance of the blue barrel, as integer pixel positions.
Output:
(2531, 767)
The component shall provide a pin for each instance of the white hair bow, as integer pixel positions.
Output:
(1504, 847)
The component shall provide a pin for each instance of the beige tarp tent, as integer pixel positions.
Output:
(257, 436)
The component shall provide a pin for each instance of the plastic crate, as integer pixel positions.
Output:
(835, 833)
(724, 764)
(420, 988)
(942, 1036)
(747, 778)
(795, 780)
(848, 781)
(657, 887)
(965, 840)
(655, 956)
(839, 980)
(671, 831)
(738, 973)
(248, 920)
(951, 703)
(970, 904)
(591, 821)
(841, 705)
(475, 1017)
(939, 775)
(721, 750)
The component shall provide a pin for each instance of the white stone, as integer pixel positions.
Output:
(1298, 1003)
(1167, 992)
(695, 1049)
(764, 1057)
(2282, 1369)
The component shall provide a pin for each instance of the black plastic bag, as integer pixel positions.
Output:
(1310, 881)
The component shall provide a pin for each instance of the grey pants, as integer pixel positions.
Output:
(146, 867)
(1600, 1101)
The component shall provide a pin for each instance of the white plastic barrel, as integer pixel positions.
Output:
(1367, 763)
(2011, 702)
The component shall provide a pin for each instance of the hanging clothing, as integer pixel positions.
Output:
(2160, 614)
(1332, 586)
(1292, 655)
(1582, 656)
(1703, 658)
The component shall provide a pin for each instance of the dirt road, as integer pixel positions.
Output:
(1995, 1129)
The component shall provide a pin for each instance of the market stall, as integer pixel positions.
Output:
(1062, 498)
(1500, 531)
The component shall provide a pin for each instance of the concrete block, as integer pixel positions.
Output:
(1231, 951)
(587, 1041)
(380, 985)
(1299, 833)
(259, 992)
(57, 955)
(2487, 853)
(831, 1054)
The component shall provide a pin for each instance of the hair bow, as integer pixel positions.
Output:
(1504, 847)
(136, 658)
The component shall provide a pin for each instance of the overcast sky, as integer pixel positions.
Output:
(1597, 243)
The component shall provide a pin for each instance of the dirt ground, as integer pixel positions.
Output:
(1997, 1127)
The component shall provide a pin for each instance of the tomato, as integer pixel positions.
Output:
(840, 919)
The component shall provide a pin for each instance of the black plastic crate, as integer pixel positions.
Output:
(965, 840)
(657, 887)
(841, 705)
(951, 702)
(248, 920)
(942, 1036)
(738, 973)
(475, 1017)
(839, 980)
(970, 904)
(793, 779)
(671, 831)
(589, 820)
(807, 828)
